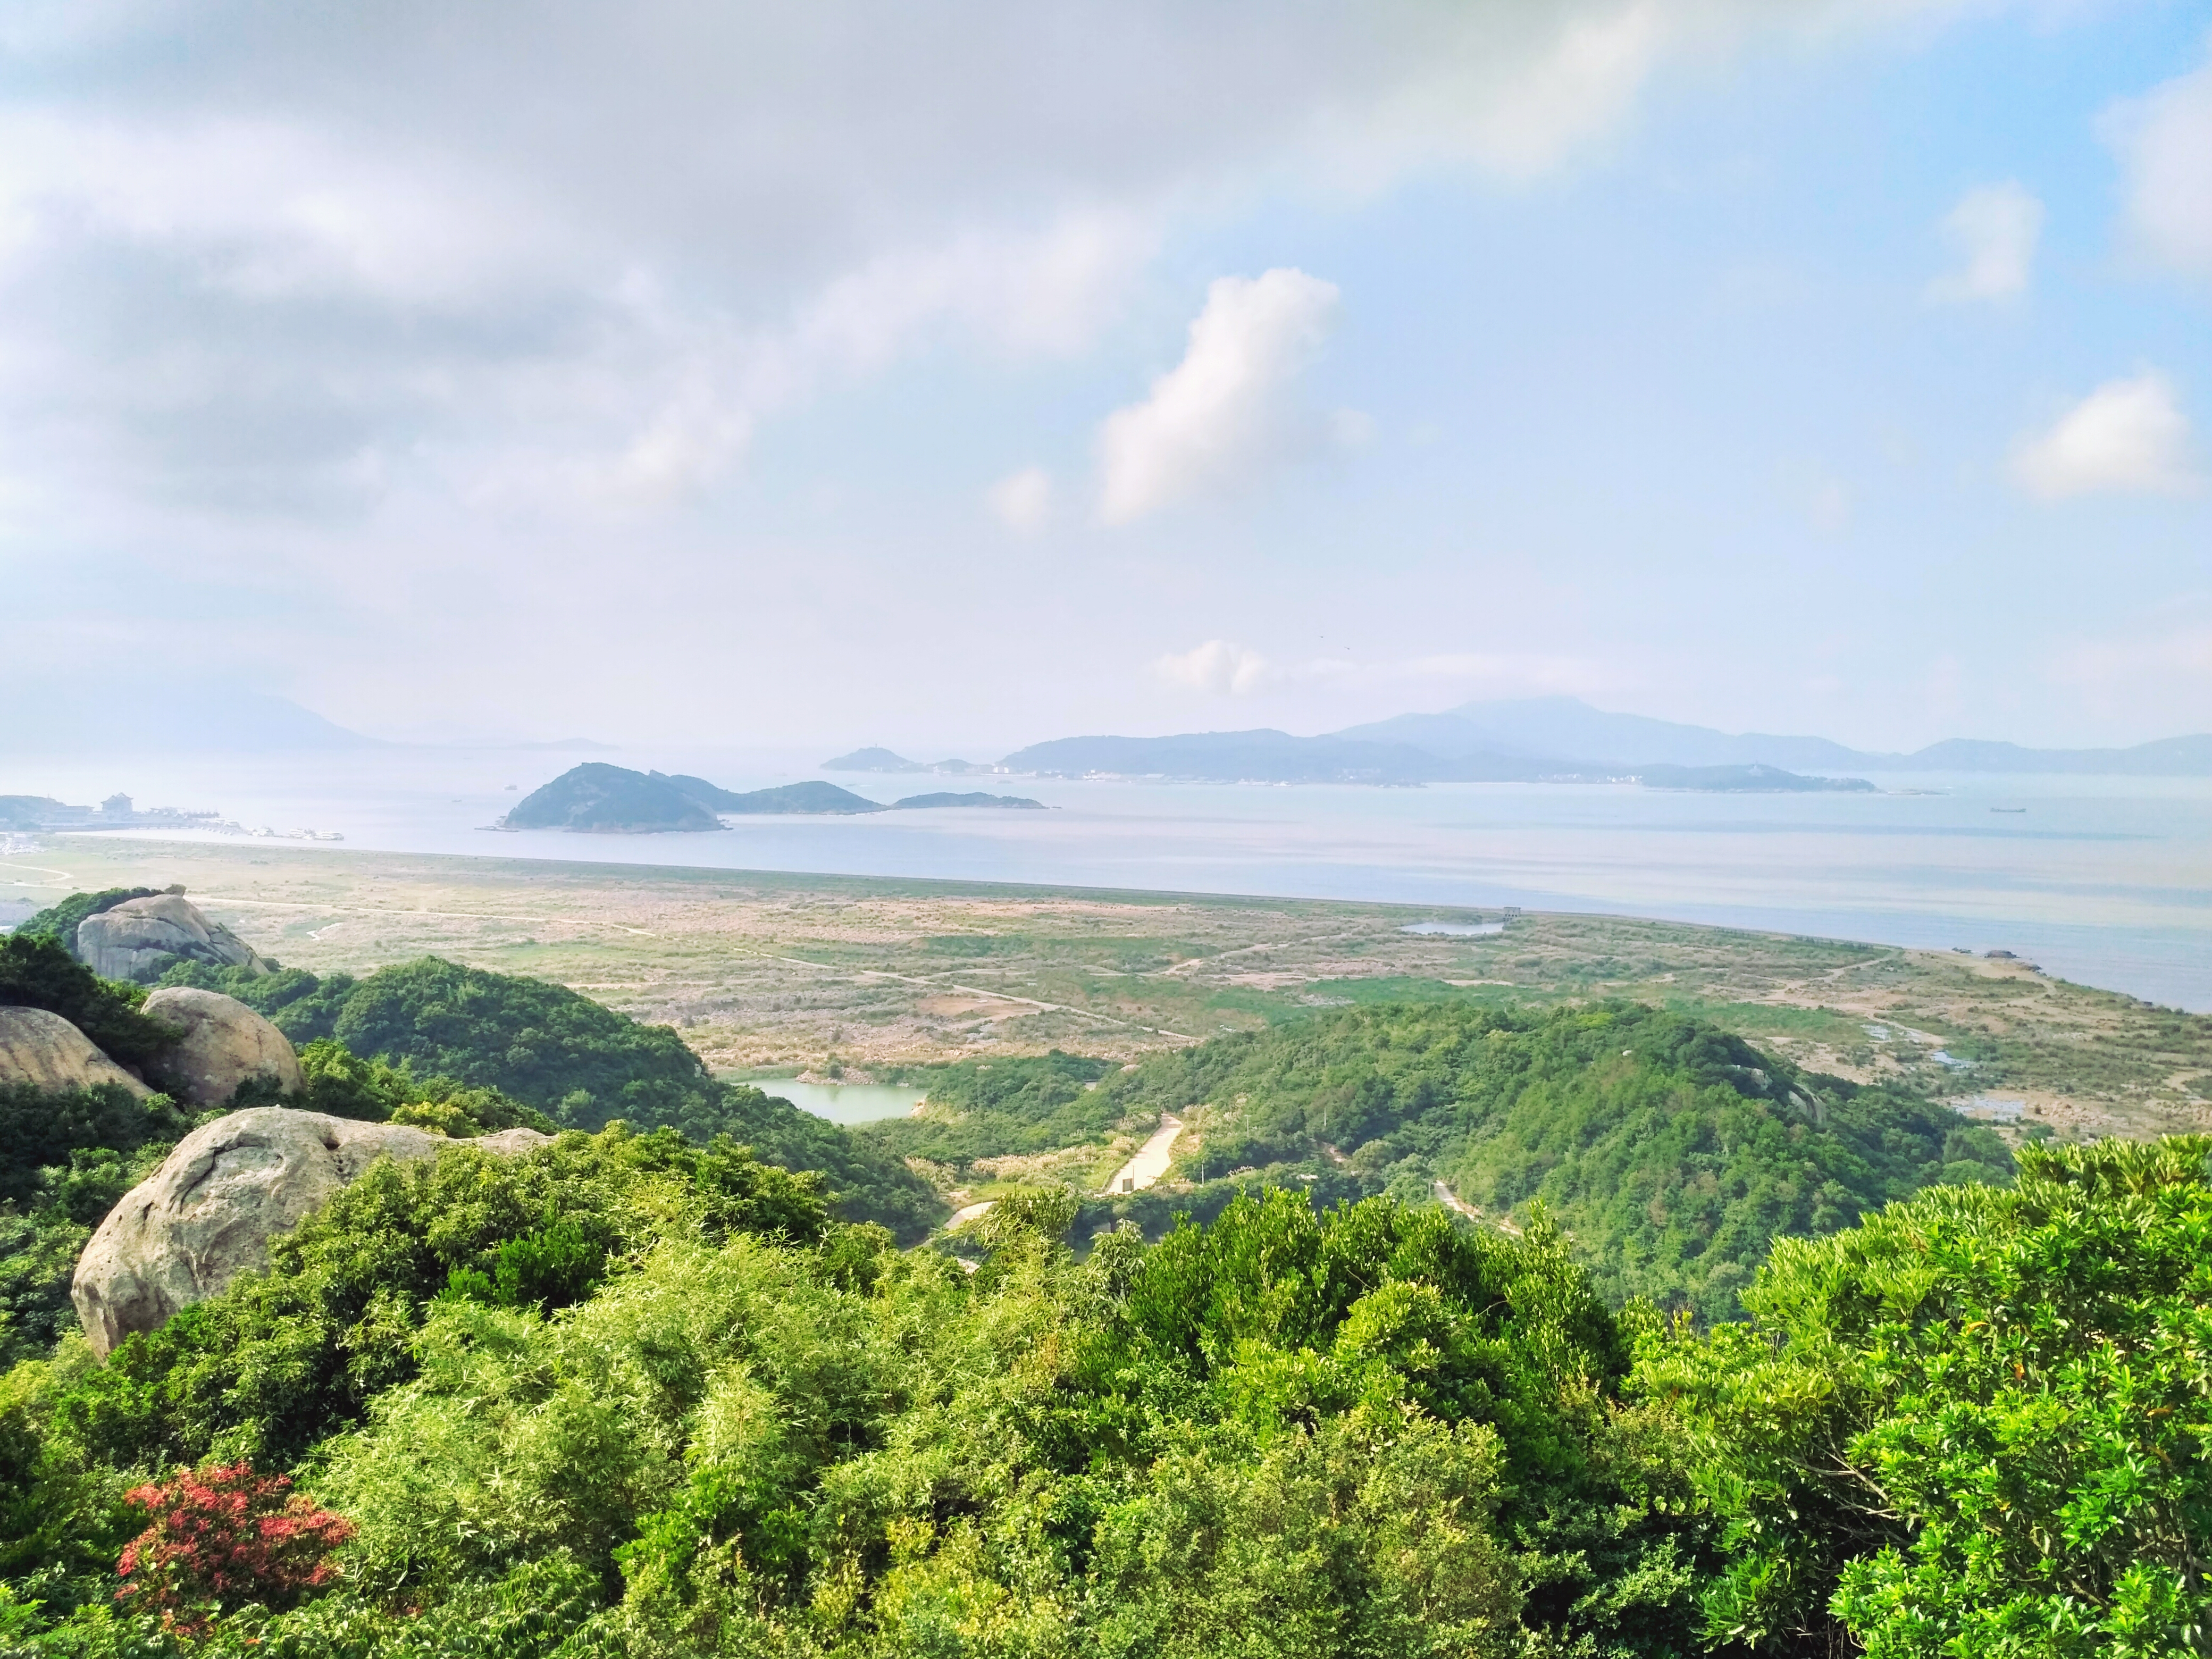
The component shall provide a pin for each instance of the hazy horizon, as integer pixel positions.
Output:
(826, 378)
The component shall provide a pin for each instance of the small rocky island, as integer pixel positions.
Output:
(602, 799)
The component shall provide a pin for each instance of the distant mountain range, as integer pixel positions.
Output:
(1555, 728)
(1537, 738)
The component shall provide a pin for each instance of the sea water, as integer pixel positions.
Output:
(2107, 881)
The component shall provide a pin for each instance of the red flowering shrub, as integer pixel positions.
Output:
(222, 1536)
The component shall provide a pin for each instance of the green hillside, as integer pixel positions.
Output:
(580, 1062)
(1670, 1151)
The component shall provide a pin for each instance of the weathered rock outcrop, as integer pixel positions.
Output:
(47, 1052)
(139, 938)
(208, 1214)
(224, 1044)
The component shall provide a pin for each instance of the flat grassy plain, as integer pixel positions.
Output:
(841, 976)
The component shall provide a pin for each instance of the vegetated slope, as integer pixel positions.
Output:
(810, 796)
(993, 1108)
(1671, 1152)
(577, 1060)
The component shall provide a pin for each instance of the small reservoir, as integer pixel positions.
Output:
(843, 1102)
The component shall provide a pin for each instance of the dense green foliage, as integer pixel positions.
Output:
(65, 1158)
(1670, 1152)
(990, 1107)
(59, 921)
(343, 1084)
(35, 972)
(1974, 1425)
(625, 1397)
(292, 999)
(745, 1430)
(577, 1062)
(40, 1129)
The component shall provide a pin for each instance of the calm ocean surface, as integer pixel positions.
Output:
(2107, 881)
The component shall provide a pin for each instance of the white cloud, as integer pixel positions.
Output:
(2128, 436)
(1023, 501)
(1222, 414)
(1994, 230)
(2164, 141)
(1220, 666)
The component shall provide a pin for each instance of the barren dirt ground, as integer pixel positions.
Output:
(827, 975)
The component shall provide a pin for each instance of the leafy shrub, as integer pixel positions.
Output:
(1972, 1424)
(280, 1360)
(222, 1536)
(40, 1128)
(344, 1085)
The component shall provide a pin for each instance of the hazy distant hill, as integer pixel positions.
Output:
(1263, 756)
(128, 715)
(1558, 727)
(883, 760)
(873, 760)
(2168, 757)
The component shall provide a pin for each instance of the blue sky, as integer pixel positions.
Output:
(789, 379)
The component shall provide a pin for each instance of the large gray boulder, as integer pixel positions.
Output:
(47, 1052)
(225, 1044)
(141, 939)
(208, 1214)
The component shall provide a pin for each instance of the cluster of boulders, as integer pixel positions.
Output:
(208, 1214)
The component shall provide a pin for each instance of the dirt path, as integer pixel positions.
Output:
(1150, 1162)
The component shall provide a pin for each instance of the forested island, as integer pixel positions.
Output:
(602, 798)
(1455, 1330)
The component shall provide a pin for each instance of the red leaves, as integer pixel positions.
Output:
(223, 1535)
